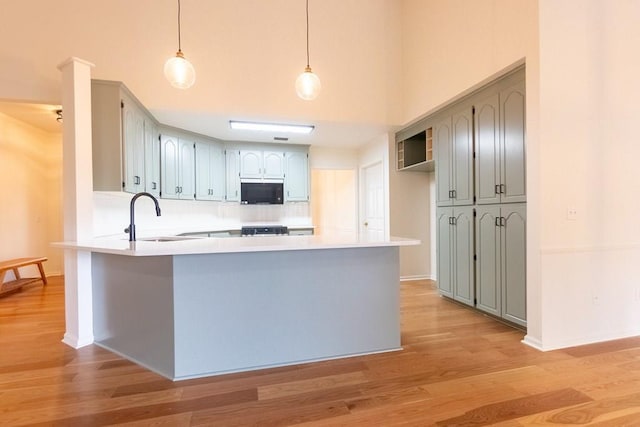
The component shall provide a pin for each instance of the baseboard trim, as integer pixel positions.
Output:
(532, 342)
(75, 342)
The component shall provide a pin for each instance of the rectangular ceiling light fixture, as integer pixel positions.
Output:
(271, 127)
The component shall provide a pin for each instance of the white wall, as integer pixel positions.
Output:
(31, 170)
(589, 94)
(409, 216)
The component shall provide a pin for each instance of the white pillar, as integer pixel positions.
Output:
(77, 187)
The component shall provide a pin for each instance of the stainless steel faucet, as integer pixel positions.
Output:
(132, 226)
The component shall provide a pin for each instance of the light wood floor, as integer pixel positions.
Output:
(458, 368)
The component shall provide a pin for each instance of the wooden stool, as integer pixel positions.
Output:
(19, 282)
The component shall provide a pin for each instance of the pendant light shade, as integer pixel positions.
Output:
(179, 72)
(308, 84)
(177, 69)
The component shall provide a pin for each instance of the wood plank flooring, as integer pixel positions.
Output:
(457, 368)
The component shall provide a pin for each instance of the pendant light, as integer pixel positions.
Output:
(178, 70)
(308, 84)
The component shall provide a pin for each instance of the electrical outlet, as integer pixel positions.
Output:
(572, 213)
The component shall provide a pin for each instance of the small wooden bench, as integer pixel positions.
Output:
(19, 282)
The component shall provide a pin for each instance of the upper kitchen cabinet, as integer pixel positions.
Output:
(178, 167)
(258, 164)
(210, 170)
(152, 159)
(296, 182)
(232, 162)
(454, 157)
(500, 143)
(122, 132)
(414, 148)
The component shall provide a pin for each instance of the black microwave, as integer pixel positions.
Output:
(261, 193)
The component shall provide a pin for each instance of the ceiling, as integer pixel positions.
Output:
(247, 55)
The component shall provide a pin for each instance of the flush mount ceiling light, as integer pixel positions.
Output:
(271, 127)
(308, 84)
(178, 70)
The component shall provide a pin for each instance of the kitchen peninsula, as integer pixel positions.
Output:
(188, 307)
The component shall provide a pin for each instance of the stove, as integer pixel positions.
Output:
(264, 230)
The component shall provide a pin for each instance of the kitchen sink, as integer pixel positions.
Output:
(166, 238)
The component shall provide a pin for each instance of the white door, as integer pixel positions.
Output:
(373, 216)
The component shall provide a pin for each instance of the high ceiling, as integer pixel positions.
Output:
(247, 55)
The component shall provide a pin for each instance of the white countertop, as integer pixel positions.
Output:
(213, 245)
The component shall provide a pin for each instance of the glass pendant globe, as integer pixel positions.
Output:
(179, 72)
(308, 85)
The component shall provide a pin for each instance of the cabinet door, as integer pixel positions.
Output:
(187, 170)
(296, 181)
(463, 250)
(273, 165)
(488, 293)
(151, 158)
(514, 288)
(512, 141)
(233, 176)
(133, 147)
(203, 171)
(487, 151)
(250, 164)
(462, 157)
(169, 172)
(444, 250)
(217, 171)
(443, 150)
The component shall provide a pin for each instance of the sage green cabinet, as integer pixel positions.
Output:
(454, 158)
(455, 248)
(122, 134)
(500, 146)
(501, 261)
(152, 158)
(178, 167)
(296, 179)
(257, 164)
(232, 160)
(210, 171)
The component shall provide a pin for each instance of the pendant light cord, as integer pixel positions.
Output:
(308, 34)
(179, 44)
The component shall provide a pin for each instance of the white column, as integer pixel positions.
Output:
(77, 187)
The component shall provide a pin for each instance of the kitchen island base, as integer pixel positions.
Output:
(187, 316)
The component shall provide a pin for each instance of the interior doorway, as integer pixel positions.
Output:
(334, 201)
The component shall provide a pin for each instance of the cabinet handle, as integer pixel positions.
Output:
(502, 189)
(455, 194)
(177, 190)
(451, 194)
(136, 180)
(503, 221)
(497, 189)
(497, 221)
(452, 220)
(153, 186)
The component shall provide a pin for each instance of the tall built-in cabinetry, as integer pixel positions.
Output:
(479, 156)
(132, 152)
